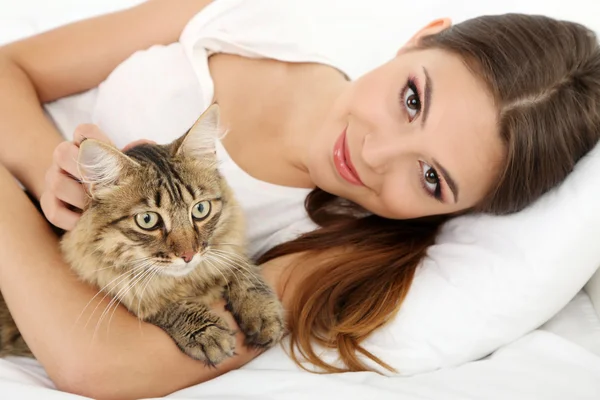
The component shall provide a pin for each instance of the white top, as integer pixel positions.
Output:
(158, 93)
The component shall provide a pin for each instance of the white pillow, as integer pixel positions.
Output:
(593, 290)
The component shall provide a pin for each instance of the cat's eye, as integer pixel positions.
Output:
(147, 220)
(201, 210)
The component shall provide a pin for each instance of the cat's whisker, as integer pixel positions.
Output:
(148, 278)
(102, 269)
(249, 278)
(113, 305)
(133, 286)
(119, 278)
(241, 264)
(227, 244)
(216, 268)
(137, 282)
(219, 251)
(230, 269)
(145, 261)
(132, 266)
(240, 268)
(135, 260)
(107, 290)
(137, 289)
(114, 300)
(237, 256)
(152, 275)
(231, 255)
(229, 261)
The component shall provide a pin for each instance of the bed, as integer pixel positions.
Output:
(559, 360)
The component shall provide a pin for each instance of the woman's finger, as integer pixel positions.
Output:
(89, 131)
(65, 188)
(57, 213)
(65, 158)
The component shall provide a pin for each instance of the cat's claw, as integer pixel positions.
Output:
(211, 345)
(265, 326)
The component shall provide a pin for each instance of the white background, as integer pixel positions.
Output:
(49, 13)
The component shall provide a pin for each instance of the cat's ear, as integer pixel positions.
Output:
(101, 165)
(200, 140)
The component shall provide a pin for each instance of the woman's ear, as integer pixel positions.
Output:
(431, 28)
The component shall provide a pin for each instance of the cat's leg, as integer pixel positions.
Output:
(197, 331)
(256, 308)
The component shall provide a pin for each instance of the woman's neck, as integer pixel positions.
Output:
(303, 117)
(273, 110)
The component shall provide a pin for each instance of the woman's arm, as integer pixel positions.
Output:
(68, 60)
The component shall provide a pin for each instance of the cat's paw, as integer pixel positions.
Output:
(261, 319)
(212, 344)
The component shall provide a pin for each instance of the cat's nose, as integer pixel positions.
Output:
(188, 255)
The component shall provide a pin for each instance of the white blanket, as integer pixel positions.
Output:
(559, 361)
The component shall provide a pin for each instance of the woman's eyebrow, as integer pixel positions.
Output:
(428, 91)
(448, 178)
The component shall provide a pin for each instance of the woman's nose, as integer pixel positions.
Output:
(380, 152)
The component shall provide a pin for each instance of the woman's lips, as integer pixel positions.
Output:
(343, 162)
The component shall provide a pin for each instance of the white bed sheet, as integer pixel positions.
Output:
(561, 360)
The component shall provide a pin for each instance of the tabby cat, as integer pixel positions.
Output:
(164, 235)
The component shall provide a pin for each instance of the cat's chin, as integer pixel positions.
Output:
(180, 268)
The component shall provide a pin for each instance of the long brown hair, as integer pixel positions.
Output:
(544, 76)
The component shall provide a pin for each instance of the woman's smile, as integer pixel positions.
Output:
(343, 161)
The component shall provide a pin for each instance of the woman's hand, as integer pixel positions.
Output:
(64, 195)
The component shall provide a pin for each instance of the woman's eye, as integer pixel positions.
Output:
(147, 220)
(431, 181)
(201, 210)
(412, 102)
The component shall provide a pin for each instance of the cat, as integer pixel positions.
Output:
(164, 236)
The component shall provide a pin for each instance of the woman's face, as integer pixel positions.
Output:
(414, 137)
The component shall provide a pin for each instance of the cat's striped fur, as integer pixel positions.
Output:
(167, 273)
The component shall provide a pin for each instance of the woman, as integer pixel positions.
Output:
(484, 116)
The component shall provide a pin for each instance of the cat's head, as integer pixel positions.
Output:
(159, 207)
